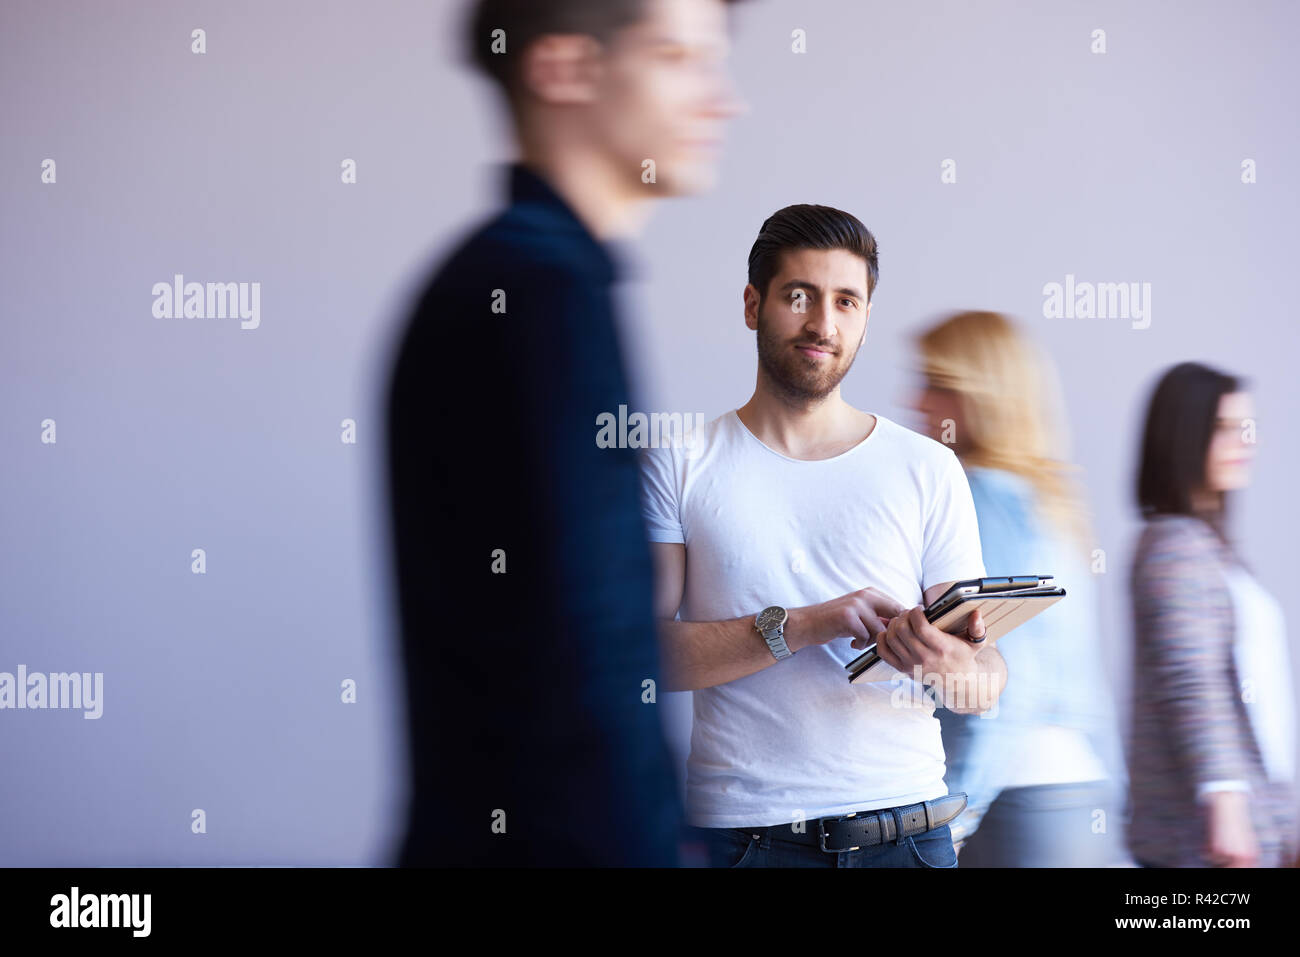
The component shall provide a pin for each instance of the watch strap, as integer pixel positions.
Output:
(775, 638)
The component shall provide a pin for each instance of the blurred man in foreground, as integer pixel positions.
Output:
(523, 570)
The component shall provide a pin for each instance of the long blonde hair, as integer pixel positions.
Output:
(1012, 413)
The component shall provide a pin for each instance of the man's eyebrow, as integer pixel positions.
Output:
(805, 284)
(667, 40)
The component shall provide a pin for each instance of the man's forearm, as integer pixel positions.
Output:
(701, 654)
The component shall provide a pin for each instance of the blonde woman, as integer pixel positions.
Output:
(1040, 792)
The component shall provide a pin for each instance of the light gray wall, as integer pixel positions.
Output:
(222, 690)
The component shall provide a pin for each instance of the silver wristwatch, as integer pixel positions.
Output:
(770, 623)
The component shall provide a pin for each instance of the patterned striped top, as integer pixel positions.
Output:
(1189, 723)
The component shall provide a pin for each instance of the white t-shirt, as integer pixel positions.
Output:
(797, 740)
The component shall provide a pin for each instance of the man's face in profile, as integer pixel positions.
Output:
(665, 94)
(811, 322)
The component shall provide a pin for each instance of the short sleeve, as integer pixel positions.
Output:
(951, 534)
(659, 496)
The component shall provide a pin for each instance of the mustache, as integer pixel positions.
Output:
(817, 344)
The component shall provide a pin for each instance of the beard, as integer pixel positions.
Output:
(797, 377)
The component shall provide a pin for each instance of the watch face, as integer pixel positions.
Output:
(771, 617)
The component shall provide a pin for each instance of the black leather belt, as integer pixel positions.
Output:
(849, 832)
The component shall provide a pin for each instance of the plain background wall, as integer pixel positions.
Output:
(222, 691)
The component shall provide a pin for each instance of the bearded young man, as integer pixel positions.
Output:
(788, 534)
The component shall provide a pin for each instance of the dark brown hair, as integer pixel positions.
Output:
(523, 21)
(809, 227)
(1182, 415)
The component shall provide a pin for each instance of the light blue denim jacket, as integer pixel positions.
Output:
(1054, 673)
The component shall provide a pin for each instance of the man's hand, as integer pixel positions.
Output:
(860, 615)
(1230, 836)
(966, 676)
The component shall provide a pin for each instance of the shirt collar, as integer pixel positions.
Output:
(526, 185)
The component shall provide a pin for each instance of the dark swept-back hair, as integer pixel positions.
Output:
(807, 226)
(1182, 415)
(523, 21)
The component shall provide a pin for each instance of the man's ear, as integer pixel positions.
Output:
(751, 306)
(562, 68)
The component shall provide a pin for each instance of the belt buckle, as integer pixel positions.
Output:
(821, 834)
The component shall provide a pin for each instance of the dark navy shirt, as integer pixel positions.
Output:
(523, 572)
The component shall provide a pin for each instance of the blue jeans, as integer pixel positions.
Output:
(737, 847)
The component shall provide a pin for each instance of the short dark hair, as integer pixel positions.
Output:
(808, 226)
(1182, 415)
(523, 21)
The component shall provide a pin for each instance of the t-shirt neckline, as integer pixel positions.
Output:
(735, 414)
